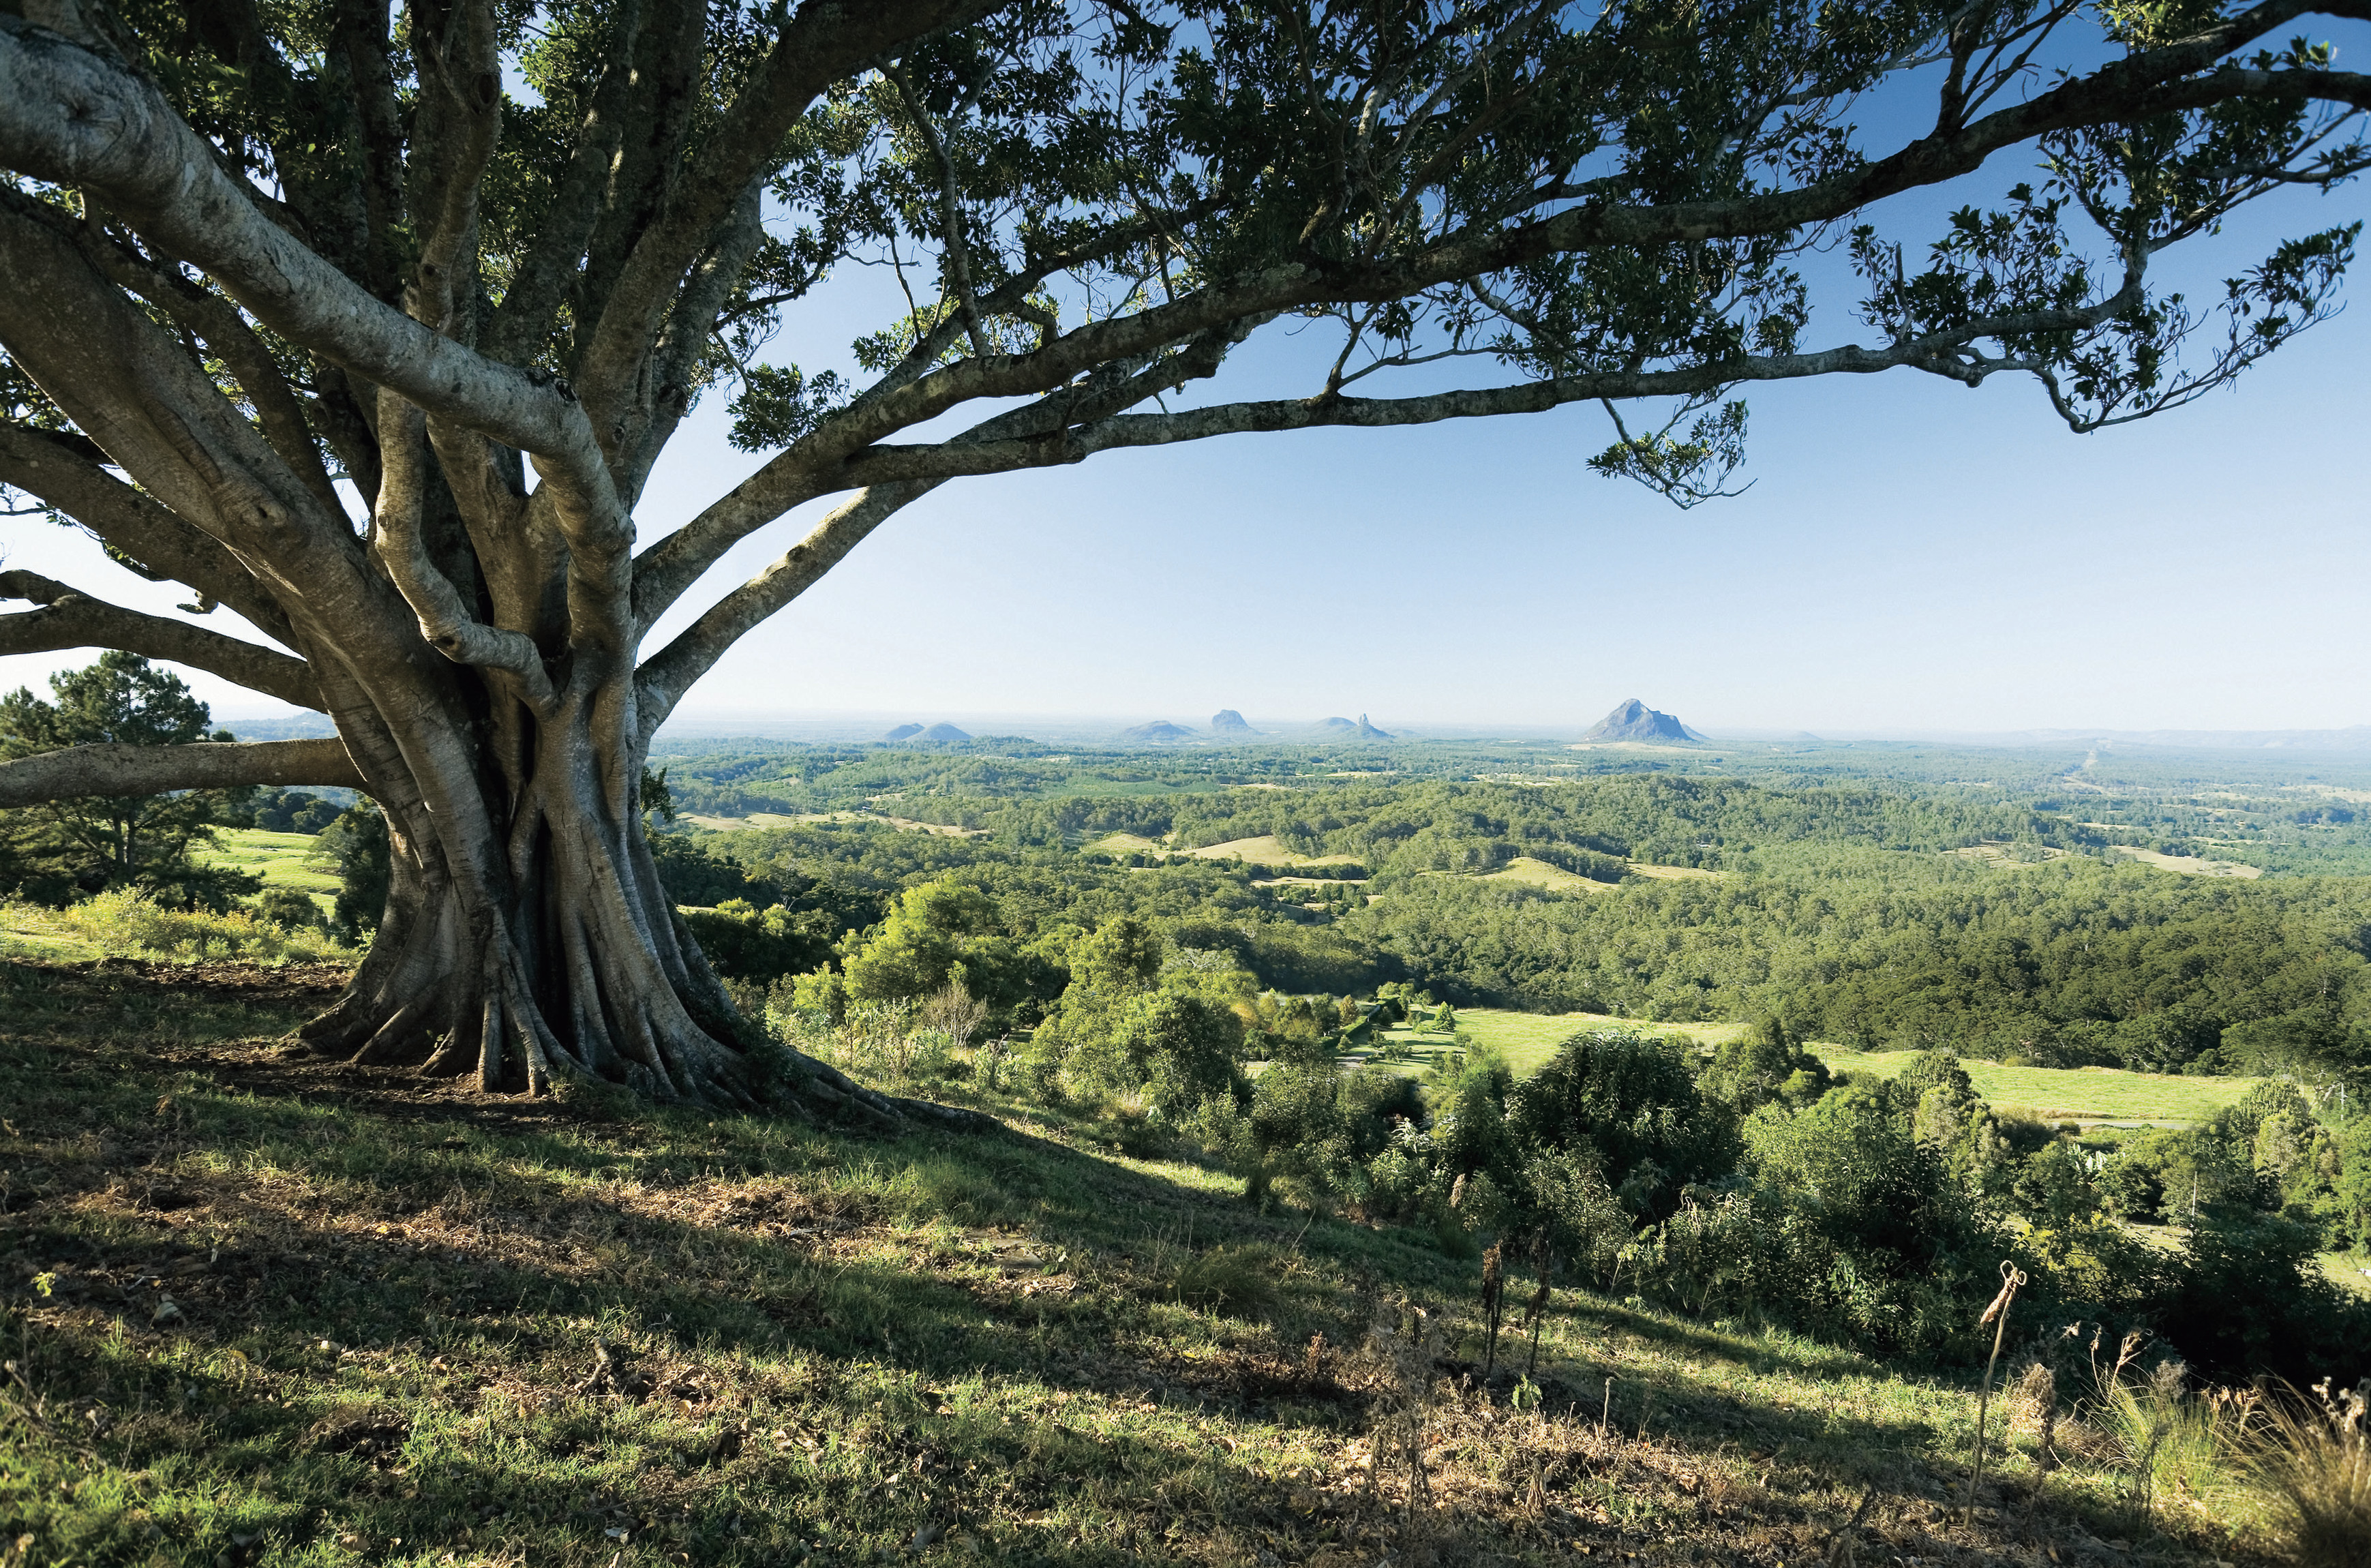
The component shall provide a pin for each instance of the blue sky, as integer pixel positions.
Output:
(1912, 556)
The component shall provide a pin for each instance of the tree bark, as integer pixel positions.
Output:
(528, 941)
(123, 770)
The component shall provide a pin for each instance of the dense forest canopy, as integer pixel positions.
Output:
(368, 325)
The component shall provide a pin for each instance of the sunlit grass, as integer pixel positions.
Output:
(1529, 1040)
(282, 859)
(2073, 1093)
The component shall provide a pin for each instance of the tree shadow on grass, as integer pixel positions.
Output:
(272, 1309)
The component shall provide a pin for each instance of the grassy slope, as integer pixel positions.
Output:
(282, 859)
(405, 1323)
(1539, 874)
(1265, 851)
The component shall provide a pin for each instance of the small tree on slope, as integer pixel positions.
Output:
(252, 250)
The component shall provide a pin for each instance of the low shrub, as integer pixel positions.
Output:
(132, 922)
(288, 909)
(1237, 1281)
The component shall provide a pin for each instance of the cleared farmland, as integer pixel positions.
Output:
(282, 859)
(2077, 1094)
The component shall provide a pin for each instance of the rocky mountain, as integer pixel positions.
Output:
(943, 732)
(1367, 731)
(1160, 732)
(1227, 722)
(903, 732)
(1634, 720)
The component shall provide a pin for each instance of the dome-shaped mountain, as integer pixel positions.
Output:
(903, 732)
(1634, 720)
(1227, 722)
(1160, 732)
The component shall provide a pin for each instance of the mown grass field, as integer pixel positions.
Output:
(263, 1309)
(1529, 1039)
(1122, 844)
(1539, 874)
(282, 859)
(1265, 851)
(2087, 1094)
(2082, 1094)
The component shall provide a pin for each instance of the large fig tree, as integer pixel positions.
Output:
(368, 331)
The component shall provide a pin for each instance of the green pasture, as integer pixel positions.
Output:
(282, 859)
(1529, 1039)
(2078, 1094)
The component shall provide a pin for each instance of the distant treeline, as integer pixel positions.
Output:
(2293, 814)
(2071, 963)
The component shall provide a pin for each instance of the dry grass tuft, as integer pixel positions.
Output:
(2315, 1456)
(1236, 1281)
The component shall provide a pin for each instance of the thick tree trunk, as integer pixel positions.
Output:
(527, 939)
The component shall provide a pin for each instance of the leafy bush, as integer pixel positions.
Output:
(743, 942)
(2249, 1299)
(1631, 1099)
(358, 845)
(1765, 1063)
(291, 810)
(129, 920)
(288, 909)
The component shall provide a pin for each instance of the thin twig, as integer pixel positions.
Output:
(1997, 1315)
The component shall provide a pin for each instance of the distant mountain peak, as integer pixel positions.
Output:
(1227, 722)
(1160, 732)
(1369, 733)
(1634, 720)
(939, 735)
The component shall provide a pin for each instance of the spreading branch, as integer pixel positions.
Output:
(672, 670)
(119, 771)
(65, 472)
(71, 619)
(69, 117)
(2176, 77)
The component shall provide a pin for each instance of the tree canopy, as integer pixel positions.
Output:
(369, 332)
(89, 844)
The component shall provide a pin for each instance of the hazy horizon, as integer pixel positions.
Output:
(865, 724)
